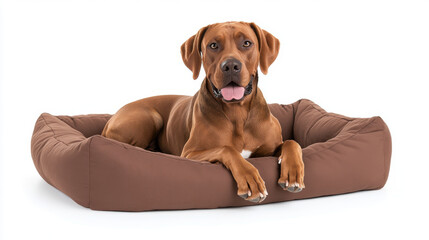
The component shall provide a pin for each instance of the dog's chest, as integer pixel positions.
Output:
(251, 135)
(246, 153)
(258, 141)
(251, 146)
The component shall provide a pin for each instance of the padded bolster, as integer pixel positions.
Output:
(61, 156)
(88, 125)
(285, 115)
(312, 124)
(341, 155)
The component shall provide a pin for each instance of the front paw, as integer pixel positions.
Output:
(291, 174)
(250, 185)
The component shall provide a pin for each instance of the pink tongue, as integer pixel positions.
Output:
(230, 92)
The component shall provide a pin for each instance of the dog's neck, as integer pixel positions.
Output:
(252, 107)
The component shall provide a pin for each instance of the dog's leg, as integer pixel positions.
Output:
(250, 185)
(137, 128)
(291, 167)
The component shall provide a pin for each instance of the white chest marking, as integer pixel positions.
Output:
(246, 153)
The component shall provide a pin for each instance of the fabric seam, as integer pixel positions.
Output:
(332, 114)
(52, 130)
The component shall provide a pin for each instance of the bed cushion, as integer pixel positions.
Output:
(341, 155)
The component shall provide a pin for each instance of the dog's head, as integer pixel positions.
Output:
(230, 53)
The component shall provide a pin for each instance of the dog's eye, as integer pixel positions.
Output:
(213, 45)
(247, 43)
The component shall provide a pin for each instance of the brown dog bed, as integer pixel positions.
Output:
(341, 155)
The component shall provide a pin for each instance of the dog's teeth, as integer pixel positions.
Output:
(280, 160)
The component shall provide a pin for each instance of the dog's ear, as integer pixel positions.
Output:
(191, 52)
(268, 47)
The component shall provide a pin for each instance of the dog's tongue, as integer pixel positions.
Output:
(232, 92)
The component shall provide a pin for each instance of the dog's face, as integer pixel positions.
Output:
(230, 53)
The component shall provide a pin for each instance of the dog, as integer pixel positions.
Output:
(227, 120)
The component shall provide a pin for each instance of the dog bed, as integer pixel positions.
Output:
(341, 155)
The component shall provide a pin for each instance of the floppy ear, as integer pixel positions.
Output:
(268, 47)
(191, 52)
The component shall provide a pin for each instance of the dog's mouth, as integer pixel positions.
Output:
(233, 92)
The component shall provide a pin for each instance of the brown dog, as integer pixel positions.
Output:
(227, 120)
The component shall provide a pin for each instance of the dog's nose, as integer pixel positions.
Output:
(230, 66)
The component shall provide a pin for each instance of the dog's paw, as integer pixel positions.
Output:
(256, 199)
(291, 175)
(294, 187)
(250, 185)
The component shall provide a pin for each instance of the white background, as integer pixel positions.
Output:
(357, 58)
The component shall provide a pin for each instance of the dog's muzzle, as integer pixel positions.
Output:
(218, 92)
